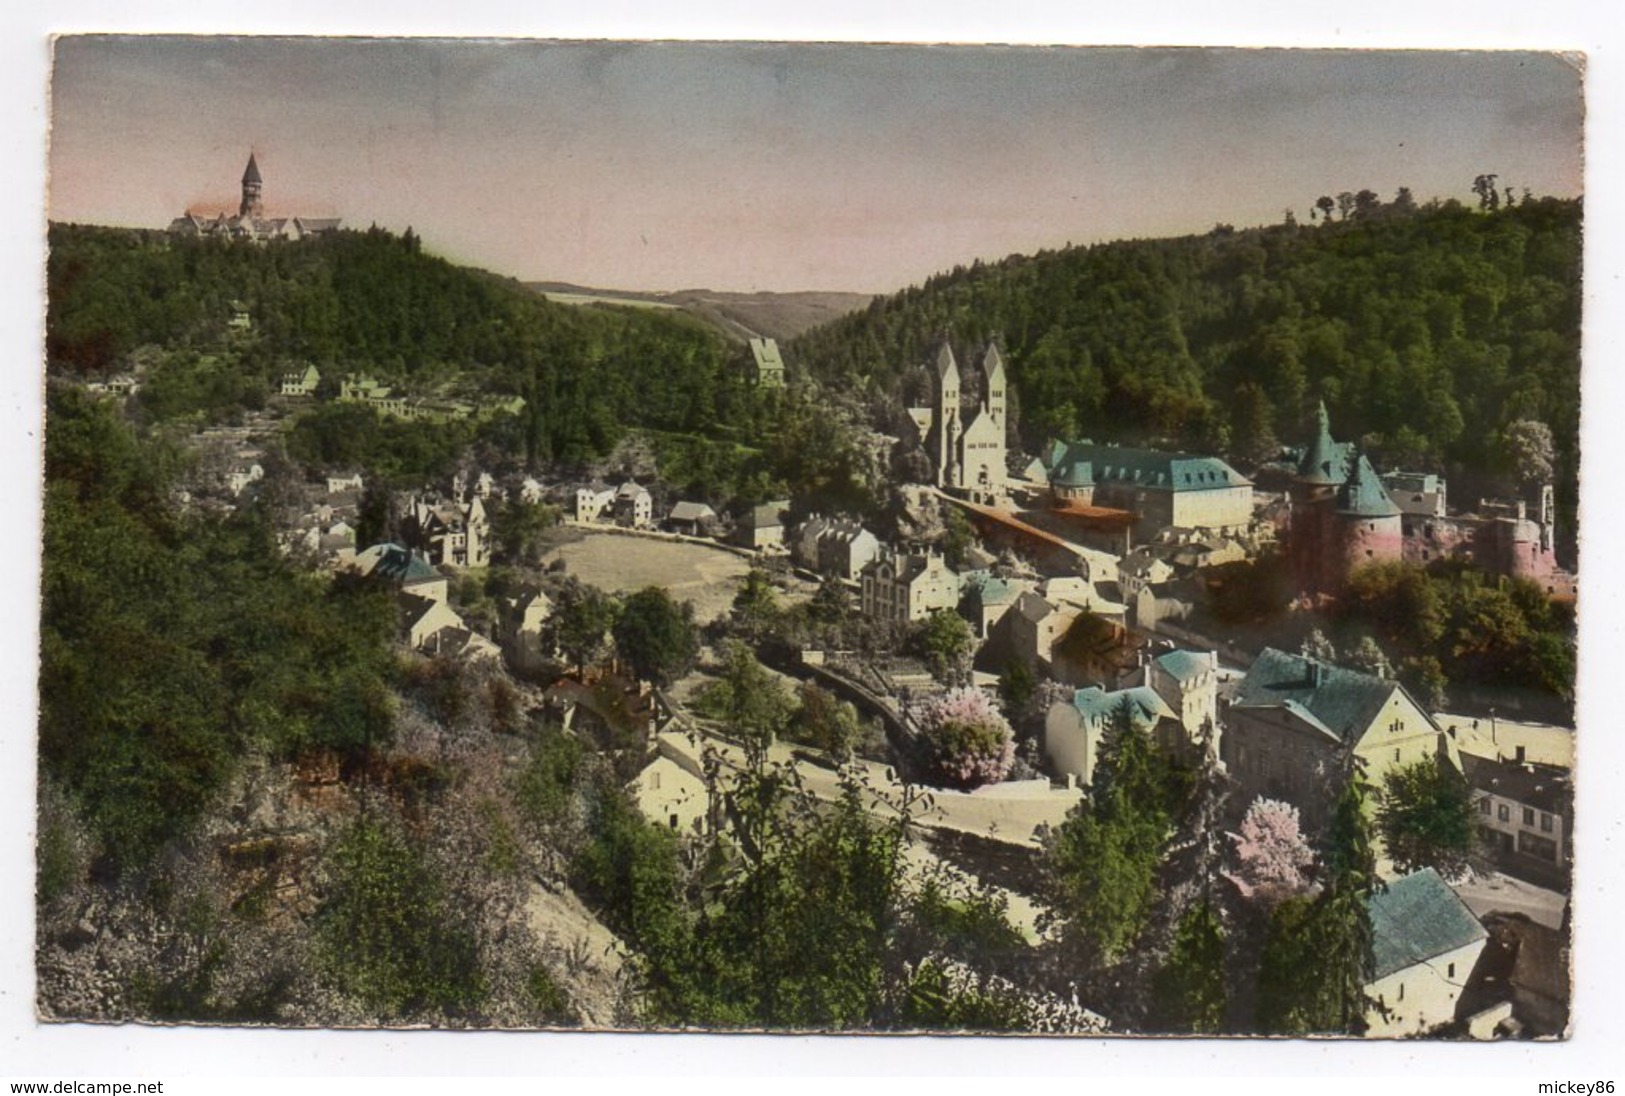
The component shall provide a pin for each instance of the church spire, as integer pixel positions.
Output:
(252, 184)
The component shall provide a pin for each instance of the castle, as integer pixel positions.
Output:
(1342, 515)
(967, 457)
(250, 223)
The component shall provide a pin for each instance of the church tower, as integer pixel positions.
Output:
(993, 378)
(945, 415)
(250, 206)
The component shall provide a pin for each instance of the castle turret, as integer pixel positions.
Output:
(252, 183)
(1371, 529)
(1322, 461)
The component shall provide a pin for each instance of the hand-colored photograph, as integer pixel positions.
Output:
(788, 537)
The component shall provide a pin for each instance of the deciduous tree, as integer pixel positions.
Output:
(655, 635)
(1425, 817)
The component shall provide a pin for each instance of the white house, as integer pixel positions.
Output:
(344, 481)
(238, 479)
(1074, 729)
(592, 500)
(634, 506)
(1425, 941)
(908, 588)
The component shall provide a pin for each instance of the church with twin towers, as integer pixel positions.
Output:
(966, 448)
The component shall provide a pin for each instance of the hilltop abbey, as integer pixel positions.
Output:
(251, 223)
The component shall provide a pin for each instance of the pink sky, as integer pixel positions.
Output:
(761, 166)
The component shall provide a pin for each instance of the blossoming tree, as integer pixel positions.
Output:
(967, 742)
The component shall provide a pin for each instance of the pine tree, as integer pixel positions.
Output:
(1103, 862)
(1318, 958)
(1189, 990)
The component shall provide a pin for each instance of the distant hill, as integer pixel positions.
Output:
(371, 302)
(1427, 330)
(737, 315)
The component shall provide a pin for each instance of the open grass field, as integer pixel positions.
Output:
(709, 577)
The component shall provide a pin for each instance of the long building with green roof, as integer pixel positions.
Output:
(1161, 489)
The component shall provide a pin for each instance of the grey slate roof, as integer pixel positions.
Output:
(1540, 786)
(1363, 494)
(395, 562)
(691, 511)
(767, 515)
(1342, 702)
(1033, 607)
(1418, 918)
(1324, 460)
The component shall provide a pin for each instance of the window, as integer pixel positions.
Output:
(1504, 813)
(1533, 845)
(1545, 822)
(1484, 805)
(1396, 753)
(1401, 991)
(1529, 816)
(1450, 971)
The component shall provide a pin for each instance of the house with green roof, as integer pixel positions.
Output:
(1425, 943)
(1297, 725)
(1160, 489)
(987, 597)
(1172, 697)
(1075, 729)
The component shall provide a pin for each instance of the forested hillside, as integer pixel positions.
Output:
(373, 302)
(1425, 329)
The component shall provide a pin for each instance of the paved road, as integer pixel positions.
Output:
(1001, 816)
(1497, 893)
(1010, 819)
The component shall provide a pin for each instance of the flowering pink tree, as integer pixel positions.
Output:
(967, 742)
(1272, 858)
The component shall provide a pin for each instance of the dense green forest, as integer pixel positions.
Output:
(374, 303)
(371, 302)
(1427, 331)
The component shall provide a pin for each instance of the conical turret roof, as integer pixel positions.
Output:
(251, 174)
(1323, 461)
(1363, 494)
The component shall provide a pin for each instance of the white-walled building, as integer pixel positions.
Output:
(1425, 941)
